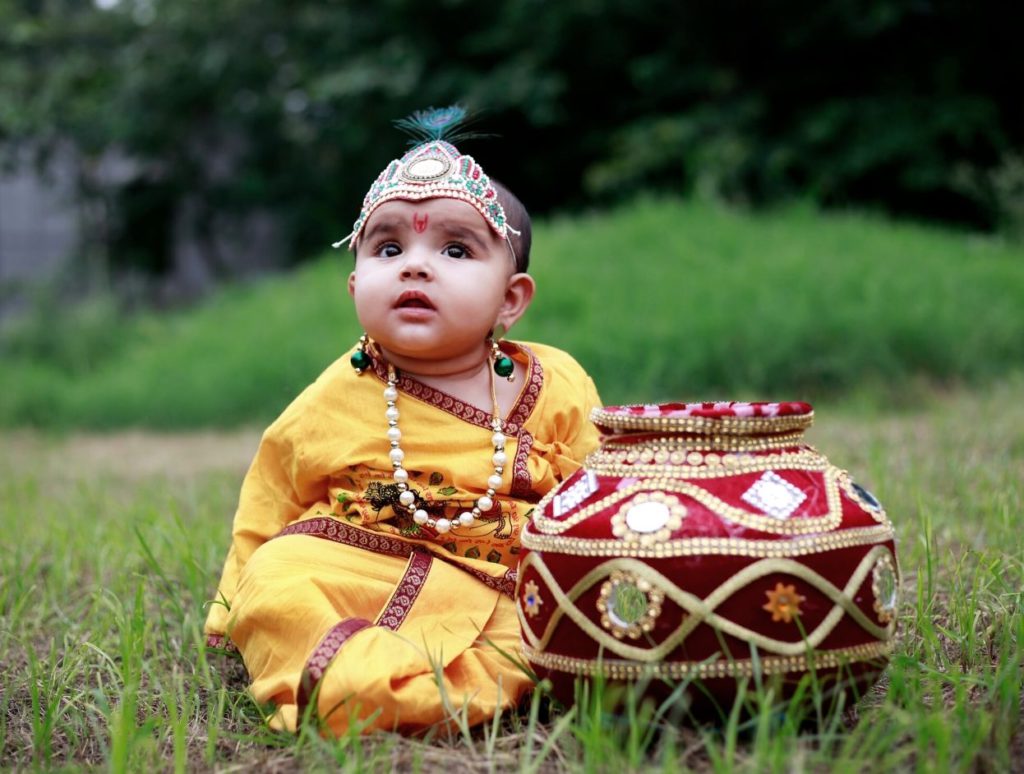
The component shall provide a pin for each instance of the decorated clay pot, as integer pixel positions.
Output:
(707, 542)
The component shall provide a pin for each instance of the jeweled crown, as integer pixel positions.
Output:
(434, 168)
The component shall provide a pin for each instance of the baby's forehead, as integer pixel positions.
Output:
(425, 213)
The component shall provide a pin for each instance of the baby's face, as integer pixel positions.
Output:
(432, 279)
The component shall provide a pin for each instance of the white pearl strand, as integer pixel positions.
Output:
(407, 497)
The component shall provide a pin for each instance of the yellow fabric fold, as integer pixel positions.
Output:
(296, 588)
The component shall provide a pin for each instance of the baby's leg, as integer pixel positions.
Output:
(385, 625)
(291, 592)
(463, 637)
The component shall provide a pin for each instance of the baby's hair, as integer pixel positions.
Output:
(518, 218)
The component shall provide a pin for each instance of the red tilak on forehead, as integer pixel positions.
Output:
(419, 222)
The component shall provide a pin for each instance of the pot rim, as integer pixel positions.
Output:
(709, 417)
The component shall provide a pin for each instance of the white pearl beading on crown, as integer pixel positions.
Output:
(407, 497)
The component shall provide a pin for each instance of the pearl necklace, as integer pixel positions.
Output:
(407, 497)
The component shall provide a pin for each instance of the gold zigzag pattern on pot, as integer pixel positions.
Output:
(796, 526)
(615, 669)
(761, 549)
(703, 610)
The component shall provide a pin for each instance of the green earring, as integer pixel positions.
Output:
(503, 365)
(360, 359)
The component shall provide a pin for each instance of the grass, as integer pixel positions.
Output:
(658, 300)
(108, 560)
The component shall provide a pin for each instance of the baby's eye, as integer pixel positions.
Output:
(455, 250)
(388, 250)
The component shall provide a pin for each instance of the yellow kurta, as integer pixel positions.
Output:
(343, 606)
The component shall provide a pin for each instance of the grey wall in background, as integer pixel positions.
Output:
(38, 219)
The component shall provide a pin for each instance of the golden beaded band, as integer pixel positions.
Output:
(617, 421)
(698, 443)
(615, 669)
(760, 549)
(665, 463)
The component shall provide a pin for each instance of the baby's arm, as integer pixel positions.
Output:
(586, 437)
(273, 495)
(569, 435)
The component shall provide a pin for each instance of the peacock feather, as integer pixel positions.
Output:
(447, 124)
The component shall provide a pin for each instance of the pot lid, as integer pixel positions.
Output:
(712, 417)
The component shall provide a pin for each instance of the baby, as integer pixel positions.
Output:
(371, 574)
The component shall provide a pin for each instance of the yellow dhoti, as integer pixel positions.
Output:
(376, 638)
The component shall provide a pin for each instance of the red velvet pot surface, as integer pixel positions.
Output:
(707, 542)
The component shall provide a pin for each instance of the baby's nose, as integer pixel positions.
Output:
(416, 265)
(415, 271)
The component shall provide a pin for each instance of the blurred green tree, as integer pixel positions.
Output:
(241, 105)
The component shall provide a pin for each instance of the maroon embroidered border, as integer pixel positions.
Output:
(521, 411)
(339, 532)
(445, 402)
(521, 485)
(406, 592)
(322, 655)
(528, 397)
(505, 585)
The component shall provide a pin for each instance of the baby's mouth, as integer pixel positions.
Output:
(412, 299)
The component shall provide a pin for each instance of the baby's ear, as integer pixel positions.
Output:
(518, 295)
(352, 284)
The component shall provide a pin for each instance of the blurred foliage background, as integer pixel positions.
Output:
(606, 111)
(660, 299)
(910, 106)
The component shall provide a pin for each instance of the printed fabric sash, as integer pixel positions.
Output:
(339, 532)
